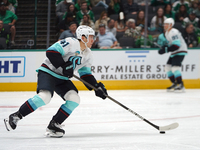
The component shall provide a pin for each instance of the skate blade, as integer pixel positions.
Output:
(8, 127)
(49, 133)
(170, 90)
(180, 91)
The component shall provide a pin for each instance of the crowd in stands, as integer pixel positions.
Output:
(8, 19)
(121, 23)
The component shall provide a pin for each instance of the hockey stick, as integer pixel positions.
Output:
(160, 128)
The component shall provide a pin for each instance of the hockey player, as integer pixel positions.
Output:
(62, 59)
(178, 48)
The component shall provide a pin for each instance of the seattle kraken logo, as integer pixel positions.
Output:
(77, 53)
(76, 60)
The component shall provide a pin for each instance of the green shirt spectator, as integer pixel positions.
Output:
(140, 42)
(79, 15)
(8, 17)
(58, 1)
(197, 31)
(172, 15)
(84, 10)
(197, 11)
(191, 19)
(168, 12)
(14, 3)
(177, 4)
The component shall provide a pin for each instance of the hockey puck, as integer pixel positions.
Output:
(162, 132)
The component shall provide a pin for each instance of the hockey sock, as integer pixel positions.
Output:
(64, 111)
(179, 80)
(178, 77)
(31, 105)
(26, 109)
(171, 76)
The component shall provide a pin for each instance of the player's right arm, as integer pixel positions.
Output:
(55, 53)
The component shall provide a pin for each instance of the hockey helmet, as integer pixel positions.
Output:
(169, 21)
(84, 30)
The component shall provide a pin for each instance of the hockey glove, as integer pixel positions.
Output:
(68, 69)
(101, 92)
(163, 50)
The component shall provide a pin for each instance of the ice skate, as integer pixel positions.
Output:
(11, 122)
(54, 129)
(172, 87)
(179, 88)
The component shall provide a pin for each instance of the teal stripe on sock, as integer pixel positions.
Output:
(68, 111)
(169, 74)
(69, 106)
(177, 74)
(36, 102)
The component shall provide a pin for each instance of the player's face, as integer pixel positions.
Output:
(90, 41)
(166, 26)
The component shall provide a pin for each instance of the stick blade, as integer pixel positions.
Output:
(168, 127)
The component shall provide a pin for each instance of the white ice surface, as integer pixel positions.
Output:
(103, 125)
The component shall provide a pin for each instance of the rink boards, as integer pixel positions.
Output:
(117, 69)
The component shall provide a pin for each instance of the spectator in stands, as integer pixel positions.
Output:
(191, 19)
(61, 8)
(140, 20)
(69, 33)
(159, 2)
(78, 5)
(120, 24)
(197, 11)
(157, 21)
(181, 14)
(197, 31)
(100, 3)
(130, 7)
(189, 36)
(14, 3)
(9, 6)
(111, 27)
(87, 21)
(168, 12)
(194, 6)
(9, 18)
(140, 40)
(132, 30)
(57, 2)
(177, 4)
(105, 40)
(70, 8)
(64, 25)
(143, 2)
(103, 19)
(84, 10)
(3, 34)
(114, 7)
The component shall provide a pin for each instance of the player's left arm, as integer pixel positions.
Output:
(86, 74)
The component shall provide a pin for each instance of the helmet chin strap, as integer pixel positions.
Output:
(85, 42)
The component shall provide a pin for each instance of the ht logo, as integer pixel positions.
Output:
(5, 65)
